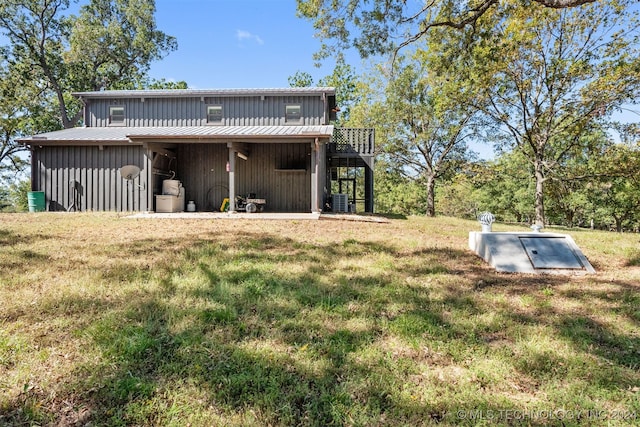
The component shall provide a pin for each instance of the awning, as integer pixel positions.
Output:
(180, 134)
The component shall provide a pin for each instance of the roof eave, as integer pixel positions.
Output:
(76, 142)
(189, 93)
(225, 138)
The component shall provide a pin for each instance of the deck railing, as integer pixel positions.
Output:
(358, 141)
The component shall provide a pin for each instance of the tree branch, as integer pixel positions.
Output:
(563, 4)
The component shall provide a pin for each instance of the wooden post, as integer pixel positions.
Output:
(315, 153)
(368, 187)
(232, 177)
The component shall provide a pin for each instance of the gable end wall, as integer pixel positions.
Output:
(237, 111)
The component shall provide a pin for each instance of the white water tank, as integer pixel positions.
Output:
(171, 187)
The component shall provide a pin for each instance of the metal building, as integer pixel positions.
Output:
(277, 145)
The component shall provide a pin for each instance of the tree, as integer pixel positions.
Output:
(155, 84)
(617, 200)
(566, 198)
(24, 109)
(385, 26)
(109, 45)
(14, 197)
(300, 79)
(504, 187)
(614, 186)
(343, 78)
(11, 123)
(458, 197)
(550, 77)
(396, 193)
(424, 130)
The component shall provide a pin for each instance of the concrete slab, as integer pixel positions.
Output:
(227, 215)
(533, 253)
(260, 216)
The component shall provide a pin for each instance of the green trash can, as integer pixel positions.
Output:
(36, 201)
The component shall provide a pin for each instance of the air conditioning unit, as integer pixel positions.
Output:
(340, 203)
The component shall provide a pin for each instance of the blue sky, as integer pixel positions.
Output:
(236, 43)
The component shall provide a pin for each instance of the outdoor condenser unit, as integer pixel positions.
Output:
(340, 203)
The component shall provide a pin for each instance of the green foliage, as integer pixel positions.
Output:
(598, 189)
(552, 77)
(13, 196)
(459, 198)
(113, 42)
(16, 118)
(505, 188)
(421, 133)
(109, 45)
(343, 79)
(546, 79)
(386, 26)
(163, 84)
(396, 194)
(300, 79)
(18, 195)
(612, 193)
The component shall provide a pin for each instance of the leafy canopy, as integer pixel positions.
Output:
(383, 26)
(110, 45)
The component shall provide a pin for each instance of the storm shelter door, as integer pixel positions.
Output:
(550, 252)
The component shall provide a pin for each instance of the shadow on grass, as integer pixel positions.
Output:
(10, 238)
(389, 215)
(15, 259)
(266, 330)
(634, 260)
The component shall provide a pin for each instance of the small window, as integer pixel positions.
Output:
(293, 114)
(116, 115)
(214, 114)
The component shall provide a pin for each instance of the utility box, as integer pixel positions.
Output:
(167, 203)
(340, 203)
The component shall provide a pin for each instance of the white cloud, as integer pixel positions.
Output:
(242, 35)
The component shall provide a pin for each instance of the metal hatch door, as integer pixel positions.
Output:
(550, 253)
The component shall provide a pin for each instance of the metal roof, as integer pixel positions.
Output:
(167, 93)
(178, 133)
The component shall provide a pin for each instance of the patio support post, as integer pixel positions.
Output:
(315, 162)
(232, 177)
(368, 187)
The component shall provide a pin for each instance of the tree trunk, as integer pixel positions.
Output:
(618, 223)
(569, 216)
(539, 199)
(431, 196)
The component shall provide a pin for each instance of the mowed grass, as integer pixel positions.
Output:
(132, 322)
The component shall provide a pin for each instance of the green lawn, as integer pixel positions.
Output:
(113, 321)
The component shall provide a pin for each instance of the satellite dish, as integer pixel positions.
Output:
(130, 172)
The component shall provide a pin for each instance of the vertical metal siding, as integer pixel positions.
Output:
(202, 170)
(278, 172)
(95, 174)
(237, 111)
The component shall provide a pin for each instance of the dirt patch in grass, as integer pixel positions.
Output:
(113, 321)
